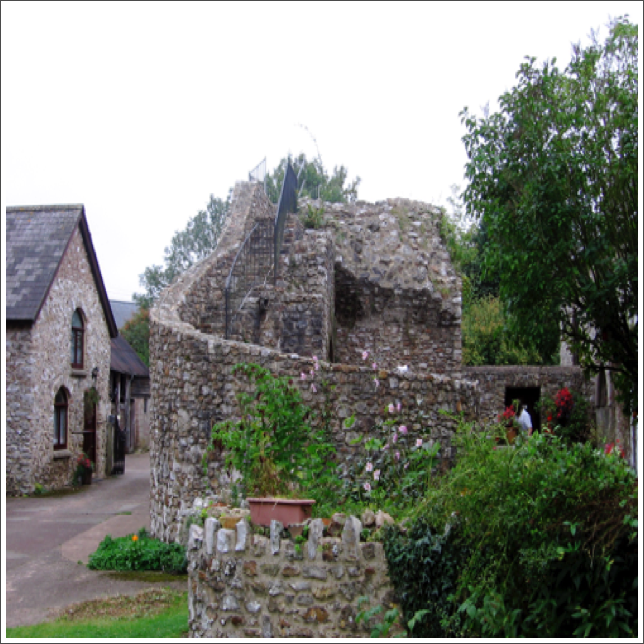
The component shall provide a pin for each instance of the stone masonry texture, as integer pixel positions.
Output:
(240, 588)
(370, 277)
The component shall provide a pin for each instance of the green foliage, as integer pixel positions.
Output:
(313, 181)
(314, 217)
(379, 628)
(486, 340)
(138, 552)
(199, 238)
(543, 542)
(393, 472)
(137, 333)
(554, 175)
(424, 567)
(575, 427)
(273, 445)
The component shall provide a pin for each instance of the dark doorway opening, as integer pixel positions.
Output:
(530, 397)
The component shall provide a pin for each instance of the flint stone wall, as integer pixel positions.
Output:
(242, 585)
(193, 387)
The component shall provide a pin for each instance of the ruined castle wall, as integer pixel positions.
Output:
(242, 585)
(193, 387)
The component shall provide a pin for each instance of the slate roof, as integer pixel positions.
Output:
(37, 237)
(125, 360)
(123, 311)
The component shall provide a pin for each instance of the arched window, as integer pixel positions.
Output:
(60, 420)
(78, 331)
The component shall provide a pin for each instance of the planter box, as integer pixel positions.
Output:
(286, 511)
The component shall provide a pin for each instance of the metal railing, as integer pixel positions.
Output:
(250, 268)
(258, 173)
(253, 262)
(287, 203)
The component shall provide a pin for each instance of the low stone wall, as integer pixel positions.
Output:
(243, 585)
(492, 382)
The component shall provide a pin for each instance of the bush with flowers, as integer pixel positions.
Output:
(536, 541)
(566, 415)
(83, 465)
(138, 552)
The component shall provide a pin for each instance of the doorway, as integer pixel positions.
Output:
(530, 397)
(89, 424)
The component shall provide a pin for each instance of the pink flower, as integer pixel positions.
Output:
(377, 382)
(376, 475)
(375, 366)
(385, 448)
(395, 438)
(402, 429)
(398, 407)
(365, 355)
(397, 456)
(406, 466)
(391, 408)
(313, 388)
(419, 442)
(303, 376)
(315, 358)
(312, 373)
(367, 486)
(369, 467)
(317, 365)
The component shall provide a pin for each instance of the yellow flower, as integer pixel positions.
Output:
(134, 538)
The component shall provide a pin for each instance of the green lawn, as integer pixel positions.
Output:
(169, 622)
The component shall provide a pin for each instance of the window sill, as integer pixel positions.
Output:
(61, 453)
(79, 373)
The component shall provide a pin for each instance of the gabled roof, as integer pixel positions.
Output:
(123, 311)
(37, 237)
(124, 359)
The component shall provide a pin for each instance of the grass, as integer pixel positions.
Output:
(155, 613)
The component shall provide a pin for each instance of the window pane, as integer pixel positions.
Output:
(77, 320)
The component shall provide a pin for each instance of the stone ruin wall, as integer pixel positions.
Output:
(492, 382)
(192, 386)
(243, 585)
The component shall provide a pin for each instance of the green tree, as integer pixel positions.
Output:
(137, 332)
(313, 181)
(196, 241)
(554, 176)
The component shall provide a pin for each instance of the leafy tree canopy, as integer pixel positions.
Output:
(313, 181)
(553, 175)
(196, 241)
(137, 332)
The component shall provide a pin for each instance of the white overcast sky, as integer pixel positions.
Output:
(141, 111)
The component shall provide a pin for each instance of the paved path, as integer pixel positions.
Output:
(47, 537)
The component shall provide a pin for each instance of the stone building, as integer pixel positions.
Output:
(347, 281)
(58, 331)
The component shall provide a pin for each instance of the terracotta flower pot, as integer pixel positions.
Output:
(287, 511)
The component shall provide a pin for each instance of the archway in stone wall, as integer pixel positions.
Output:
(530, 396)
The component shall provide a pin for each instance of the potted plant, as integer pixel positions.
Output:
(84, 469)
(508, 419)
(279, 455)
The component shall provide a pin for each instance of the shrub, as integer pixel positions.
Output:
(545, 536)
(567, 416)
(138, 552)
(272, 444)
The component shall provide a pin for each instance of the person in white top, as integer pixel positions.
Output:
(525, 422)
